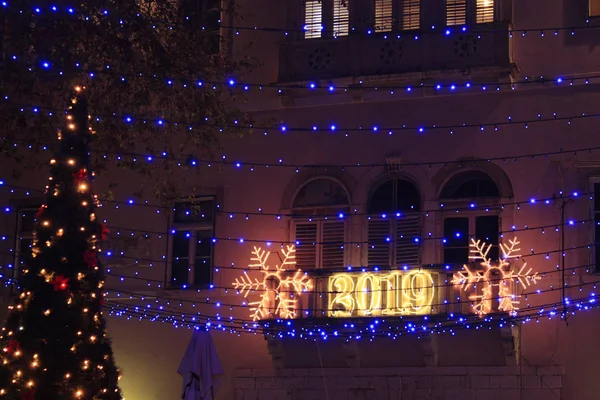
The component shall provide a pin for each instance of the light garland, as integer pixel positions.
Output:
(331, 127)
(50, 67)
(107, 13)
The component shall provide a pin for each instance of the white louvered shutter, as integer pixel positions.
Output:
(306, 245)
(411, 15)
(333, 235)
(379, 238)
(485, 11)
(456, 12)
(313, 18)
(383, 15)
(341, 17)
(407, 248)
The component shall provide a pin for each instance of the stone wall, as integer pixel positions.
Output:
(435, 383)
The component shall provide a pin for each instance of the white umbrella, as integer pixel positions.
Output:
(200, 368)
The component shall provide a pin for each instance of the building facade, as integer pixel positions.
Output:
(413, 216)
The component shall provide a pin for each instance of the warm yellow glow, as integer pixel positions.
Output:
(71, 161)
(53, 161)
(374, 293)
(71, 127)
(280, 286)
(30, 384)
(83, 187)
(60, 232)
(46, 223)
(79, 394)
(47, 312)
(493, 278)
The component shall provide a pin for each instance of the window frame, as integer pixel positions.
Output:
(193, 227)
(471, 15)
(319, 247)
(472, 217)
(397, 16)
(328, 19)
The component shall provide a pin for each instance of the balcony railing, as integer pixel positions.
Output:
(394, 53)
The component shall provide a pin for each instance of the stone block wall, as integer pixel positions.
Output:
(414, 383)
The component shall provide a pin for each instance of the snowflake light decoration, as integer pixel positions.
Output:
(277, 287)
(494, 277)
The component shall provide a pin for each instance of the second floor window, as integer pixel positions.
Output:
(397, 15)
(192, 243)
(394, 225)
(322, 18)
(460, 12)
(320, 238)
(481, 224)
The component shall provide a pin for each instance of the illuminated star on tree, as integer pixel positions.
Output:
(277, 289)
(494, 277)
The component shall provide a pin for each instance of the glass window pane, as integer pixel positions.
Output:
(181, 243)
(487, 229)
(201, 212)
(313, 15)
(202, 271)
(597, 197)
(456, 240)
(179, 272)
(594, 8)
(204, 243)
(321, 193)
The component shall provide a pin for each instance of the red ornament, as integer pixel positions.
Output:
(60, 283)
(40, 211)
(13, 346)
(90, 258)
(29, 395)
(80, 175)
(104, 231)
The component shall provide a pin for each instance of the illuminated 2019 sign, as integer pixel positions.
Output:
(372, 294)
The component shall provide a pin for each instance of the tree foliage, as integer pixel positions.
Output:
(125, 52)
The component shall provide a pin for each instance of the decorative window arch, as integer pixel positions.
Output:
(320, 239)
(394, 223)
(470, 189)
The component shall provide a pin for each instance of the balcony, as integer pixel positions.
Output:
(470, 53)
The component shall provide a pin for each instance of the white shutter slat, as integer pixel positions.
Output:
(383, 15)
(313, 18)
(332, 247)
(341, 17)
(411, 15)
(407, 249)
(306, 247)
(456, 12)
(485, 11)
(379, 247)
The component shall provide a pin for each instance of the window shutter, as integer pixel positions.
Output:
(306, 247)
(411, 15)
(340, 17)
(485, 11)
(379, 246)
(407, 248)
(383, 15)
(332, 247)
(313, 18)
(456, 12)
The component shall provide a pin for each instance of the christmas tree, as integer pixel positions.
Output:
(54, 343)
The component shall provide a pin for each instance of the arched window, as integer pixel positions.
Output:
(320, 240)
(470, 189)
(394, 224)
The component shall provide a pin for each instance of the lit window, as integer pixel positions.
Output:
(383, 15)
(313, 19)
(594, 8)
(192, 243)
(341, 17)
(456, 12)
(485, 11)
(410, 15)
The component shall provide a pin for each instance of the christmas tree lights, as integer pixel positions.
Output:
(54, 344)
